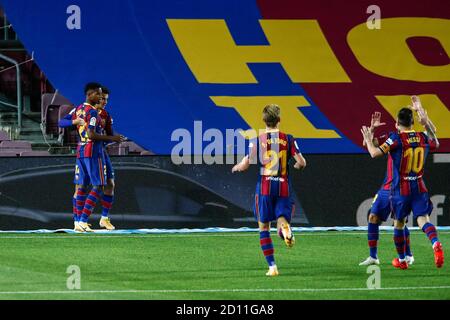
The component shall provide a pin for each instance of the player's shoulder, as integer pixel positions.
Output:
(73, 110)
(393, 134)
(393, 138)
(104, 112)
(422, 133)
(92, 111)
(288, 136)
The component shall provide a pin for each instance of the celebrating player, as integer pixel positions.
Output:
(90, 167)
(407, 151)
(108, 190)
(272, 150)
(72, 120)
(76, 118)
(381, 208)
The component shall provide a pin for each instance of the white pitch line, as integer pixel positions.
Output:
(250, 234)
(222, 290)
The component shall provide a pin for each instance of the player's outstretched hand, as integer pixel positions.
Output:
(367, 134)
(416, 104)
(376, 121)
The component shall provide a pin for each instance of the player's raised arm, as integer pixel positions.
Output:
(430, 129)
(368, 138)
(417, 107)
(375, 122)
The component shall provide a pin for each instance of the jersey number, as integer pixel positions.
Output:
(271, 168)
(414, 158)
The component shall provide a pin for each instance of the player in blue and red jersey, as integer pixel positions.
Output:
(272, 151)
(108, 190)
(381, 207)
(407, 151)
(90, 168)
(72, 120)
(75, 117)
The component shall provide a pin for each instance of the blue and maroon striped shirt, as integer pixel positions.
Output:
(407, 152)
(88, 148)
(273, 151)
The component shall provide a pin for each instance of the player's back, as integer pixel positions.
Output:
(408, 150)
(274, 151)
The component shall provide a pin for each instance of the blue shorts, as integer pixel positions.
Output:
(109, 168)
(419, 203)
(270, 208)
(90, 171)
(381, 205)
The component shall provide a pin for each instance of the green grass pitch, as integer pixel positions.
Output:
(213, 266)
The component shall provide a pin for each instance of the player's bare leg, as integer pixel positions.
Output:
(267, 248)
(108, 194)
(400, 243)
(430, 230)
(372, 236)
(285, 232)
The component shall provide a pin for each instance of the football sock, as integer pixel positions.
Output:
(267, 247)
(107, 201)
(431, 232)
(81, 198)
(372, 236)
(407, 248)
(90, 203)
(74, 208)
(399, 240)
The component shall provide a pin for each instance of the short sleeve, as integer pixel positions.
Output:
(390, 144)
(92, 118)
(72, 114)
(108, 125)
(293, 146)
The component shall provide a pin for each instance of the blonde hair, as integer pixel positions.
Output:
(271, 115)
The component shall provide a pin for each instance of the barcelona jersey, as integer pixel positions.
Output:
(88, 148)
(407, 152)
(273, 151)
(106, 122)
